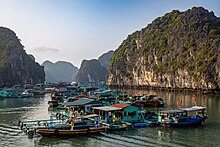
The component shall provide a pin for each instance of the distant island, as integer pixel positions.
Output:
(94, 71)
(59, 71)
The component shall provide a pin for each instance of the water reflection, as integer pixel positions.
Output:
(12, 110)
(212, 102)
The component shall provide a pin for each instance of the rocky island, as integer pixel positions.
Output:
(179, 50)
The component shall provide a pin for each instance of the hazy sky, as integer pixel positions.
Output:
(73, 30)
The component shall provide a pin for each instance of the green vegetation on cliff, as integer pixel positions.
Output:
(187, 41)
(16, 67)
(105, 58)
(91, 71)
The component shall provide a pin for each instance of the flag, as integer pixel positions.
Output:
(194, 99)
(179, 102)
(203, 101)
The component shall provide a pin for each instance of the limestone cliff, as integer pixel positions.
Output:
(177, 50)
(105, 58)
(16, 66)
(91, 71)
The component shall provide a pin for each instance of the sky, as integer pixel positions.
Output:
(74, 30)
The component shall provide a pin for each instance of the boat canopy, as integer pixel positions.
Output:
(172, 111)
(107, 108)
(194, 108)
(91, 116)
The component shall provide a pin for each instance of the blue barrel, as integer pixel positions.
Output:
(107, 120)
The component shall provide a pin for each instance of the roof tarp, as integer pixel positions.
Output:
(81, 101)
(107, 108)
(91, 115)
(172, 111)
(194, 108)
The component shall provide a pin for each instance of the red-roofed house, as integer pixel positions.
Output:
(129, 113)
(122, 105)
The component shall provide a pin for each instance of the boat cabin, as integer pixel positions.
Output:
(72, 90)
(8, 93)
(118, 112)
(129, 113)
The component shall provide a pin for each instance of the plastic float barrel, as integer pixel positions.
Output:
(19, 122)
(30, 133)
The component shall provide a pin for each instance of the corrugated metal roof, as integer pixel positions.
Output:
(81, 101)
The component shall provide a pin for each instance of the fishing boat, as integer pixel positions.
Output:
(69, 132)
(153, 100)
(26, 94)
(76, 126)
(52, 104)
(184, 117)
(8, 93)
(148, 101)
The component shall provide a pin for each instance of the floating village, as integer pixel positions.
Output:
(80, 110)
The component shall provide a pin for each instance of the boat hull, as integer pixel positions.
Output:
(141, 125)
(116, 128)
(57, 132)
(188, 123)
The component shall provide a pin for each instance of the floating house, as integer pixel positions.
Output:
(118, 112)
(129, 113)
(84, 104)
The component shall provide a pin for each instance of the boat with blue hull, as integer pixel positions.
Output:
(26, 94)
(184, 117)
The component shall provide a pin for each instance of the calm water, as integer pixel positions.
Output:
(13, 110)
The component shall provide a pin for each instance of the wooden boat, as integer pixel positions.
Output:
(184, 117)
(8, 93)
(148, 101)
(115, 126)
(26, 94)
(59, 96)
(70, 132)
(52, 104)
(80, 125)
(153, 100)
